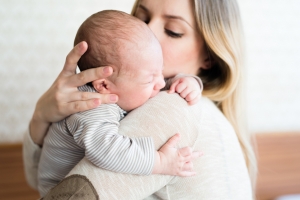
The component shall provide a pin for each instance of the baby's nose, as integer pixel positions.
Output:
(161, 84)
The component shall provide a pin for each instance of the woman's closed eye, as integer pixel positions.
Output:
(173, 34)
(146, 20)
(143, 17)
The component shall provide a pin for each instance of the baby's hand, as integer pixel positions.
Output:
(176, 162)
(188, 88)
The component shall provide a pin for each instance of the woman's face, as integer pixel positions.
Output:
(174, 26)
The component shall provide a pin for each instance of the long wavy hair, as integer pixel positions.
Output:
(219, 23)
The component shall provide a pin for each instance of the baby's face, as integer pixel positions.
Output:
(142, 80)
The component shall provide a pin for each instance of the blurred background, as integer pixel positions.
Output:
(36, 36)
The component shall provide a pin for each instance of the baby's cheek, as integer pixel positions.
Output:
(154, 93)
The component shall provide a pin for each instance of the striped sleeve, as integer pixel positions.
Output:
(98, 134)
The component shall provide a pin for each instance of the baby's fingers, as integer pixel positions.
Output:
(194, 101)
(186, 173)
(189, 154)
(192, 95)
(181, 87)
(188, 166)
(172, 142)
(192, 156)
(173, 86)
(185, 151)
(185, 92)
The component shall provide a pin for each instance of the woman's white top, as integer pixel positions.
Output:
(221, 171)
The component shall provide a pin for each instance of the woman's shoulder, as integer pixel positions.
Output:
(203, 127)
(172, 105)
(164, 107)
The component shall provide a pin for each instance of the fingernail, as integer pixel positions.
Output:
(106, 69)
(113, 98)
(96, 102)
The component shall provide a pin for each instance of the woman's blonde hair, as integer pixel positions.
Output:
(219, 23)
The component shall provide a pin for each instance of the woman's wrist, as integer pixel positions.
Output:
(38, 129)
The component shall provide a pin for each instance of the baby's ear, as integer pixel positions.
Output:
(101, 86)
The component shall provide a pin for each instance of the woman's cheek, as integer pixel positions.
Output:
(171, 59)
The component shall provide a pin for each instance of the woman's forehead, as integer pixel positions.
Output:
(171, 8)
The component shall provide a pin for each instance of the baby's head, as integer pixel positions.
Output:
(126, 44)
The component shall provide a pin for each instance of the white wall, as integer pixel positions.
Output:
(35, 37)
(272, 30)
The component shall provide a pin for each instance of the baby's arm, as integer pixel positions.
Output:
(189, 87)
(107, 149)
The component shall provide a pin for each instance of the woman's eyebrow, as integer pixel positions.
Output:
(166, 16)
(177, 17)
(143, 8)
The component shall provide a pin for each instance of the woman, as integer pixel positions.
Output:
(200, 37)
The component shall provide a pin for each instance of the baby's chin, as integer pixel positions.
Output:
(131, 107)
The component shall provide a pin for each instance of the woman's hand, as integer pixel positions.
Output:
(63, 98)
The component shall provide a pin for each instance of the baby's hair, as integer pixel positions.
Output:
(108, 34)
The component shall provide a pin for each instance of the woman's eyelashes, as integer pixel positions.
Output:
(147, 20)
(143, 17)
(173, 34)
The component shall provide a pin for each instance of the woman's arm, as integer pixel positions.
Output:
(221, 172)
(63, 98)
(31, 157)
(58, 102)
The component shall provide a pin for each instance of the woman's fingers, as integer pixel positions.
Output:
(89, 75)
(73, 57)
(79, 106)
(84, 96)
(88, 100)
(75, 80)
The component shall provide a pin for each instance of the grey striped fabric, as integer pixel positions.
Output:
(93, 134)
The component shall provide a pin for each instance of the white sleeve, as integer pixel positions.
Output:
(31, 157)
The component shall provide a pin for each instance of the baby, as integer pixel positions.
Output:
(126, 44)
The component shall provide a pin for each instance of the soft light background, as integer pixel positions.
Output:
(35, 37)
